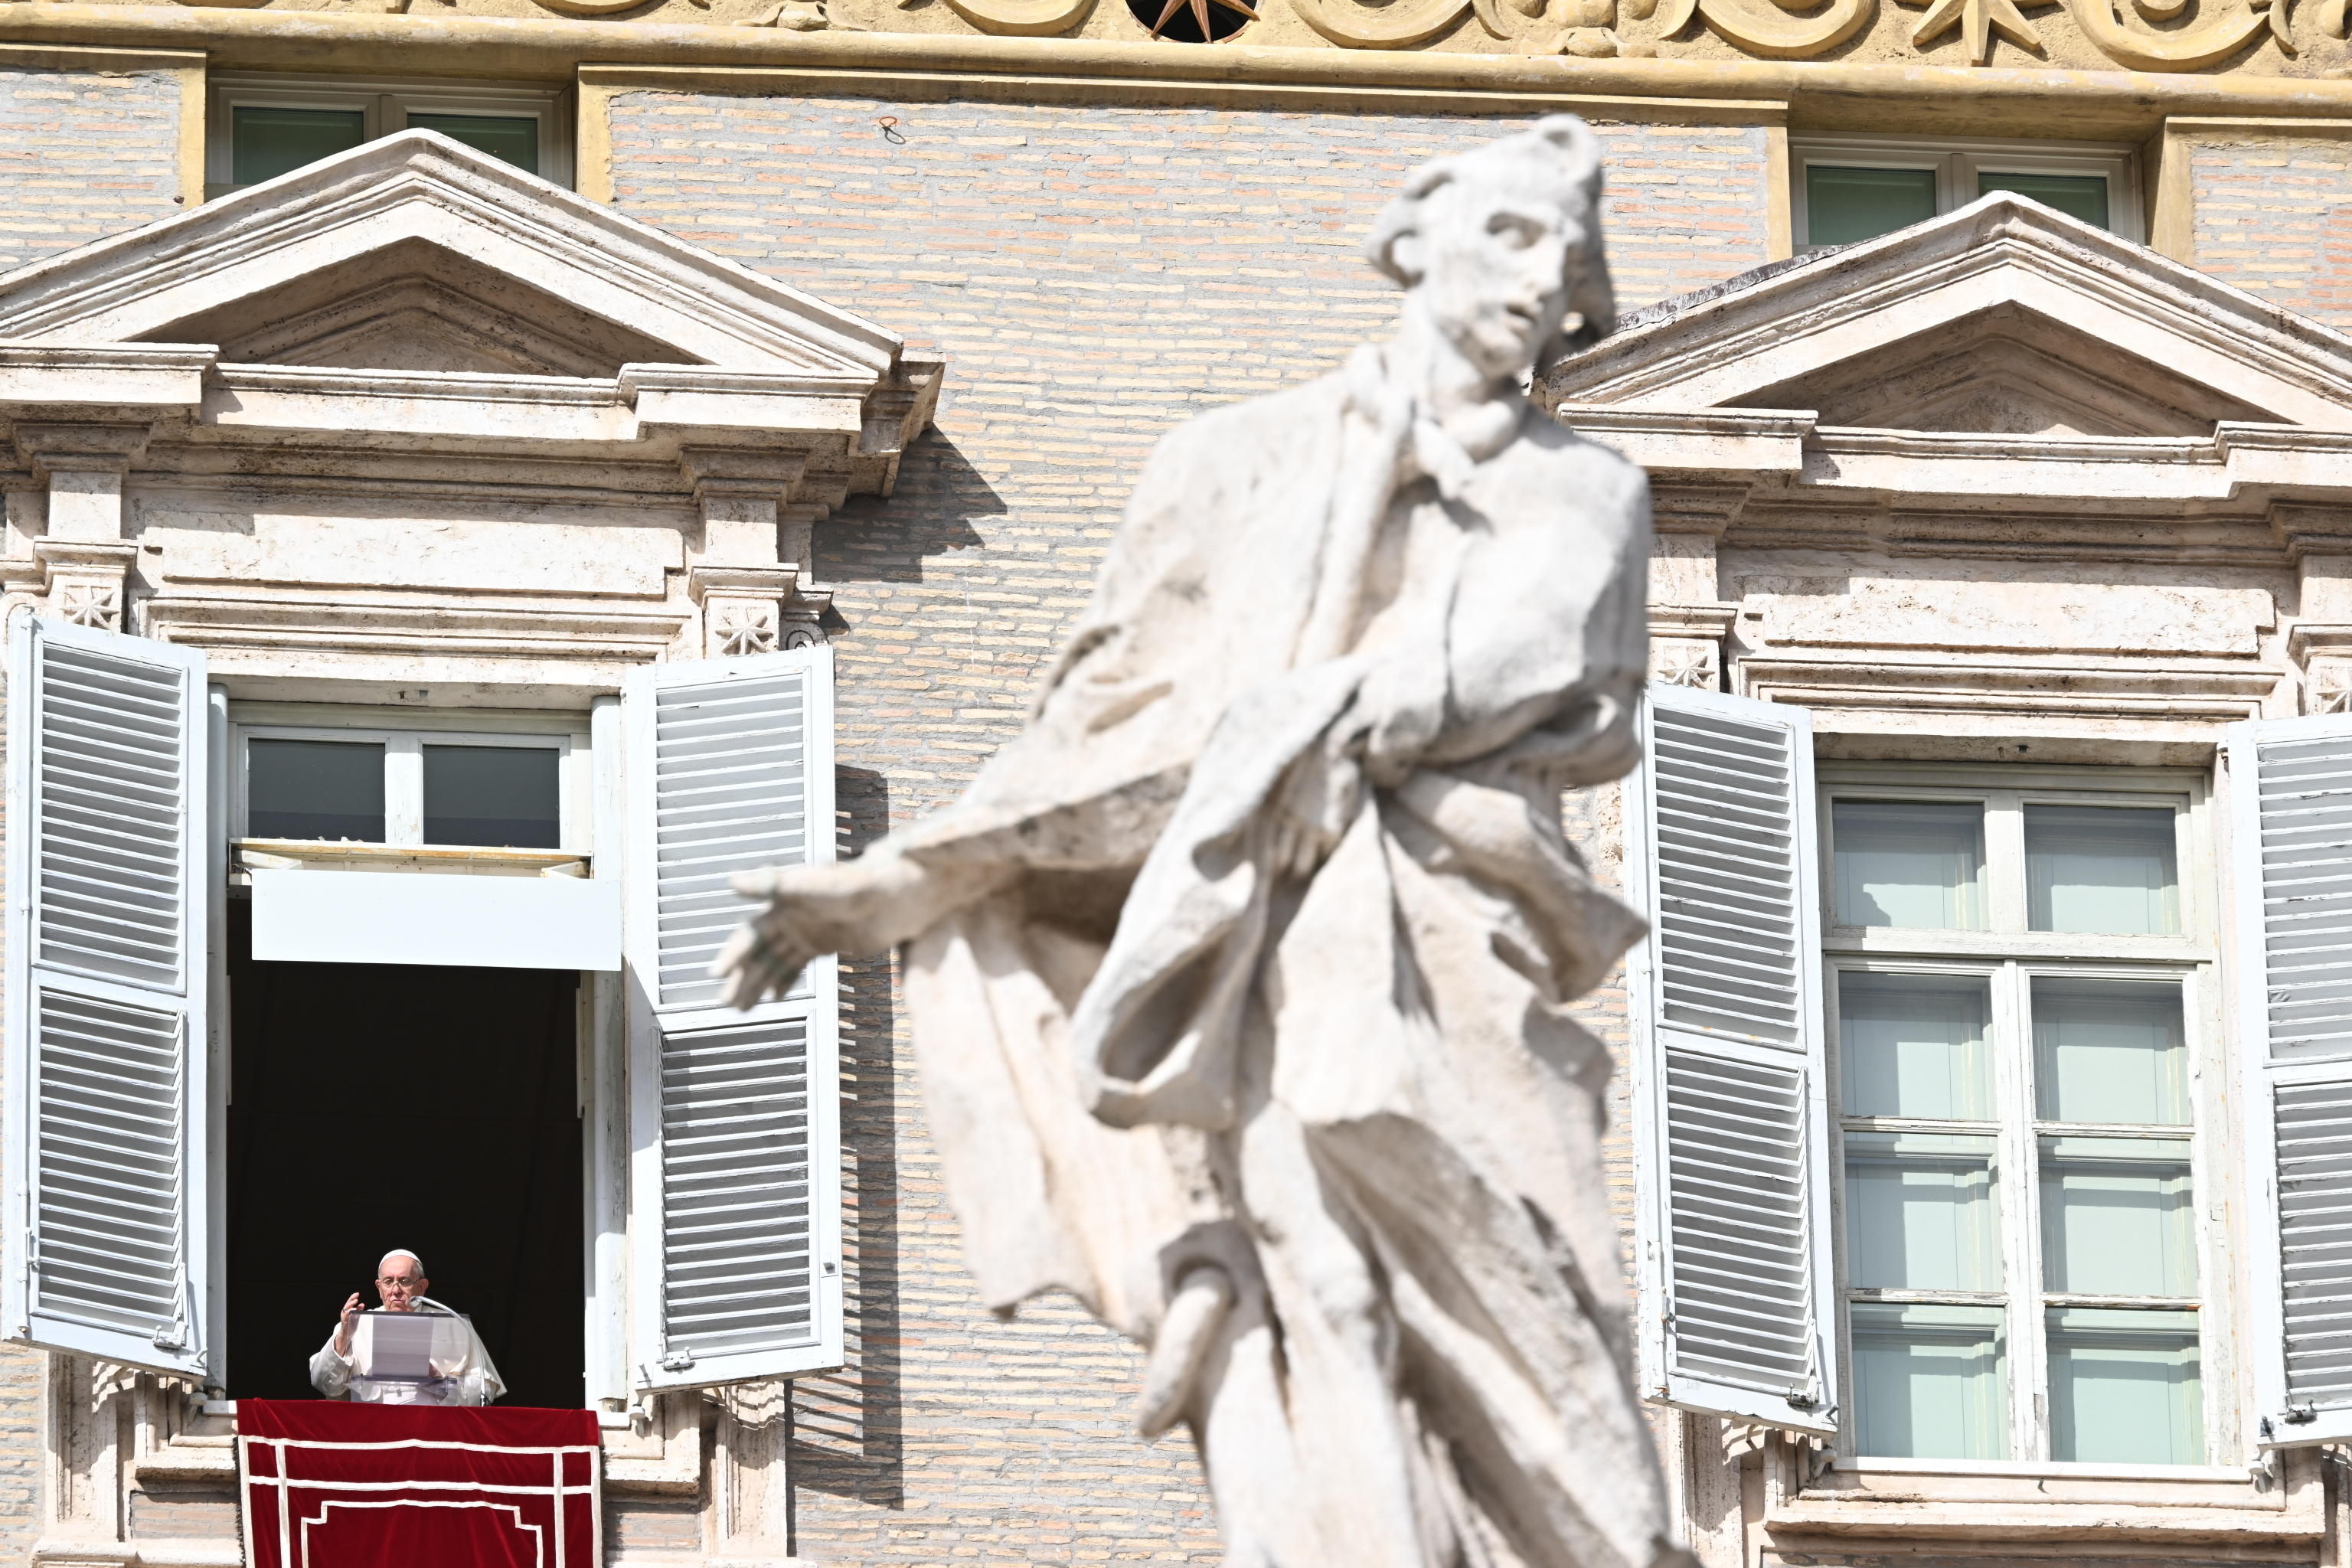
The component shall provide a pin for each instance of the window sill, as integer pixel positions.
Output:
(2018, 1503)
(248, 854)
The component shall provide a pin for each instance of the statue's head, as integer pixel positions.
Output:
(1501, 246)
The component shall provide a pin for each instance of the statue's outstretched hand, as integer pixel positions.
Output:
(768, 950)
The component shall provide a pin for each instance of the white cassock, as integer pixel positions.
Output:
(475, 1374)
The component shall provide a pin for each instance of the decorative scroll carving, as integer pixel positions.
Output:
(2191, 48)
(1762, 33)
(1360, 26)
(1024, 19)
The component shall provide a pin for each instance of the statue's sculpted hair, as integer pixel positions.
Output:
(1559, 149)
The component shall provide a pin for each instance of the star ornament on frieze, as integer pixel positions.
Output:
(1977, 21)
(1200, 14)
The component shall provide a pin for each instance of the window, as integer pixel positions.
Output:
(2013, 990)
(446, 789)
(1854, 188)
(261, 126)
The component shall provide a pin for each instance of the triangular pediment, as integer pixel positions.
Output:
(2002, 319)
(419, 254)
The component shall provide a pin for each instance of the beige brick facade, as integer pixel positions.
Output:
(83, 155)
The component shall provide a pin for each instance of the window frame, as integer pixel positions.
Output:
(386, 102)
(403, 743)
(2009, 958)
(1958, 161)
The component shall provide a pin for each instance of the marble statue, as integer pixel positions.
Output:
(1239, 980)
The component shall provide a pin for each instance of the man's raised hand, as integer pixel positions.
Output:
(352, 1311)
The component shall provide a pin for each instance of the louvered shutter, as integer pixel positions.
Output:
(107, 970)
(735, 1185)
(1731, 1120)
(2290, 783)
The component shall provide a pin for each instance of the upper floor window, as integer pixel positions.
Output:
(2012, 1002)
(260, 126)
(374, 785)
(1849, 188)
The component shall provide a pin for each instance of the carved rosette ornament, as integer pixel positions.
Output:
(2327, 686)
(1691, 664)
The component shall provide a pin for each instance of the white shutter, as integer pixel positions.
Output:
(735, 1179)
(1731, 1119)
(108, 966)
(2290, 783)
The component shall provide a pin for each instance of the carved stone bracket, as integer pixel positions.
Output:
(1686, 644)
(755, 609)
(86, 584)
(2323, 653)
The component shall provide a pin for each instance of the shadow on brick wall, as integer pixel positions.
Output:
(930, 512)
(847, 1430)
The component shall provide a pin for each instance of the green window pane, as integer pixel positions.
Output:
(2109, 1051)
(2077, 195)
(1846, 204)
(1909, 863)
(2118, 1217)
(2102, 868)
(2125, 1388)
(266, 143)
(314, 789)
(1914, 1045)
(501, 136)
(1922, 1212)
(1929, 1381)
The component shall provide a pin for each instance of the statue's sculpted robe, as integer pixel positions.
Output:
(1154, 1043)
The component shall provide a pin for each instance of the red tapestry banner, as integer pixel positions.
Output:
(332, 1485)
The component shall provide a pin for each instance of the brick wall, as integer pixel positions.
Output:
(1092, 275)
(2274, 217)
(83, 155)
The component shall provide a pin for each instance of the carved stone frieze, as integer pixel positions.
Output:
(85, 582)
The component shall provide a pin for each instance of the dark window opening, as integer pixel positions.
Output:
(504, 136)
(314, 789)
(381, 1105)
(497, 796)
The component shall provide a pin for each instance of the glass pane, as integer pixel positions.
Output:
(1929, 1382)
(501, 796)
(1845, 205)
(501, 136)
(314, 789)
(2100, 868)
(1909, 863)
(266, 143)
(2118, 1217)
(2109, 1051)
(1914, 1045)
(2077, 195)
(2124, 1387)
(1922, 1213)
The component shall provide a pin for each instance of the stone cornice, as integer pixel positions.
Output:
(1826, 95)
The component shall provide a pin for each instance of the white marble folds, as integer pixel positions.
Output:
(1240, 979)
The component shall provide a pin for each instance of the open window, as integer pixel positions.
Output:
(482, 1109)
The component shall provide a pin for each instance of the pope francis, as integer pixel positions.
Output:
(461, 1371)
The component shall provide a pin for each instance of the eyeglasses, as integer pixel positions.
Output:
(405, 1282)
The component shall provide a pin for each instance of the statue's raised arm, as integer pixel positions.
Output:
(1240, 978)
